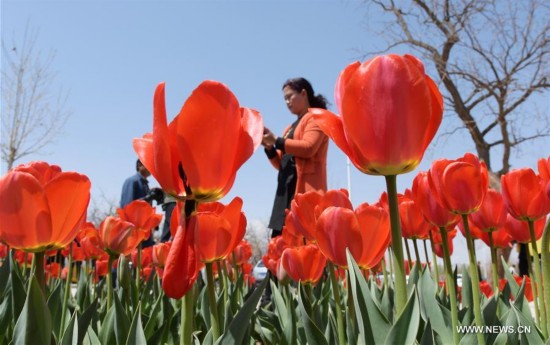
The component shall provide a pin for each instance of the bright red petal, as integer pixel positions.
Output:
(25, 221)
(68, 196)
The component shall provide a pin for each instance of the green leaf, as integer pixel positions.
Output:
(313, 334)
(34, 325)
(70, 335)
(413, 276)
(85, 320)
(431, 310)
(405, 329)
(18, 292)
(531, 337)
(6, 321)
(285, 315)
(55, 305)
(91, 338)
(152, 322)
(235, 333)
(514, 287)
(122, 323)
(427, 335)
(373, 325)
(4, 276)
(107, 330)
(136, 334)
(82, 291)
(467, 295)
(501, 339)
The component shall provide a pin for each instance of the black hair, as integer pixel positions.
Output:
(299, 84)
(138, 164)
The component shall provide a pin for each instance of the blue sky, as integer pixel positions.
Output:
(110, 55)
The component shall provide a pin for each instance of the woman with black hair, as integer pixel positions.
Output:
(300, 154)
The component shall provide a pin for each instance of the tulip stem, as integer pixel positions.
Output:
(409, 258)
(434, 257)
(212, 299)
(538, 291)
(493, 263)
(337, 302)
(385, 273)
(450, 283)
(110, 281)
(417, 252)
(474, 276)
(494, 269)
(397, 245)
(138, 268)
(546, 270)
(67, 291)
(38, 263)
(533, 286)
(187, 305)
(428, 263)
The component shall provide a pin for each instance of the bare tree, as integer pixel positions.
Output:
(492, 59)
(100, 208)
(33, 112)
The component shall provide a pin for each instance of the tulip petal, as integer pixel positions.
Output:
(338, 229)
(68, 196)
(212, 235)
(181, 268)
(386, 111)
(25, 221)
(207, 126)
(341, 83)
(332, 125)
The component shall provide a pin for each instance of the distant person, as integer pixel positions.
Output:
(300, 154)
(168, 206)
(136, 187)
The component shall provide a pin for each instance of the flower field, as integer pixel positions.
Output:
(338, 274)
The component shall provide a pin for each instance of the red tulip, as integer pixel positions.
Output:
(492, 213)
(524, 194)
(101, 268)
(501, 238)
(430, 204)
(460, 184)
(142, 215)
(306, 208)
(242, 253)
(160, 253)
(390, 111)
(182, 265)
(118, 236)
(91, 242)
(544, 168)
(146, 257)
(200, 151)
(42, 208)
(219, 229)
(305, 264)
(413, 223)
(272, 258)
(365, 232)
(519, 230)
(77, 252)
(486, 288)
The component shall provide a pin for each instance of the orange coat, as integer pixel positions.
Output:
(309, 147)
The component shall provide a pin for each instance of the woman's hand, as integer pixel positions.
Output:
(269, 138)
